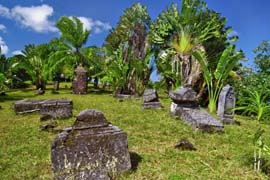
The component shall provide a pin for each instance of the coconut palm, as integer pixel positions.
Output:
(73, 37)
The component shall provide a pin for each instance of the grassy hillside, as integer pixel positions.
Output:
(152, 134)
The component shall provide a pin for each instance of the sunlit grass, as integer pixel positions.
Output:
(152, 134)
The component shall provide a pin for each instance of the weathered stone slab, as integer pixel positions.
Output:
(150, 99)
(226, 103)
(186, 107)
(122, 97)
(200, 119)
(52, 108)
(80, 83)
(150, 95)
(27, 106)
(56, 108)
(92, 149)
(184, 97)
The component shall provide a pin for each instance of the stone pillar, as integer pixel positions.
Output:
(226, 104)
(80, 82)
(91, 149)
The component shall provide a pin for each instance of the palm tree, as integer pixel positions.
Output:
(34, 59)
(73, 37)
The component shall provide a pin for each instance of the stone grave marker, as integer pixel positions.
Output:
(91, 149)
(51, 108)
(150, 99)
(56, 109)
(185, 106)
(79, 84)
(226, 103)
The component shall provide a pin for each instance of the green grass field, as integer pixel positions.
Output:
(152, 134)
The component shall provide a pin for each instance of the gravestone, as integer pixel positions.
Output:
(186, 107)
(52, 108)
(150, 99)
(226, 103)
(79, 85)
(91, 149)
(183, 97)
(27, 106)
(56, 109)
(55, 86)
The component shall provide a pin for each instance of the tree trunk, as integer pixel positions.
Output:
(95, 83)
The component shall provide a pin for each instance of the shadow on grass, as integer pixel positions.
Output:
(15, 97)
(99, 91)
(135, 160)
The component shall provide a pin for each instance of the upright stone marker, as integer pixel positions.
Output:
(79, 85)
(150, 99)
(92, 149)
(226, 103)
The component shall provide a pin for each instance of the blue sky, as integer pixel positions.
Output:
(32, 21)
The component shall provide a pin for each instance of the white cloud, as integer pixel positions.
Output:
(3, 28)
(4, 11)
(4, 47)
(35, 17)
(17, 52)
(96, 26)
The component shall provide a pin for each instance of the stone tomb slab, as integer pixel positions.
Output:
(200, 119)
(56, 108)
(52, 108)
(92, 149)
(150, 99)
(27, 106)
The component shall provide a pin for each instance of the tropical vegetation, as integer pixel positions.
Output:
(190, 46)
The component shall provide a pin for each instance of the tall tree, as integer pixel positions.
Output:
(73, 37)
(130, 35)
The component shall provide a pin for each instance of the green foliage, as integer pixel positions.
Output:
(34, 60)
(134, 17)
(130, 37)
(72, 31)
(259, 148)
(182, 32)
(215, 81)
(73, 37)
(262, 59)
(254, 103)
(116, 73)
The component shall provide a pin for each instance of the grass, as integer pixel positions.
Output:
(152, 134)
